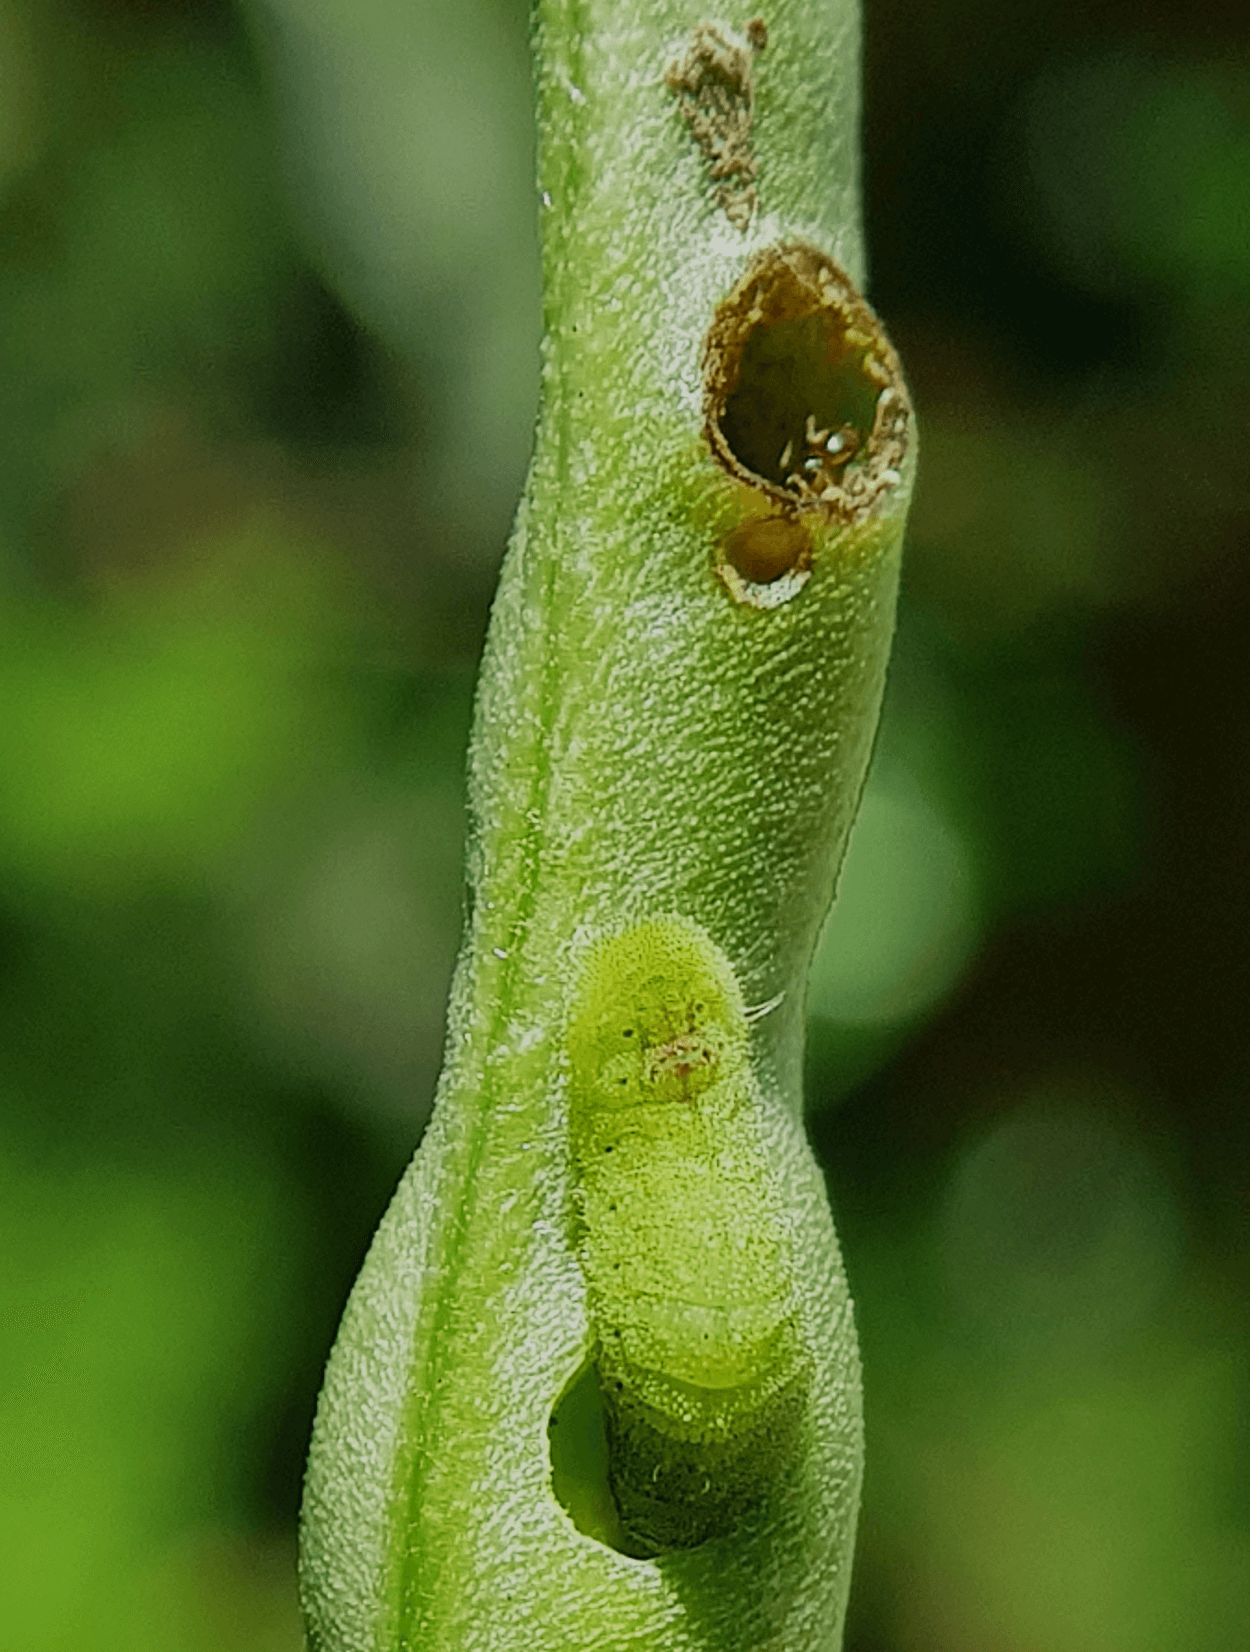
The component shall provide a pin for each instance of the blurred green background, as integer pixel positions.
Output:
(268, 328)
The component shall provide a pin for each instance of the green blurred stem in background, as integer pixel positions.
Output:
(674, 719)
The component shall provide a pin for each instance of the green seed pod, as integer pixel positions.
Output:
(675, 716)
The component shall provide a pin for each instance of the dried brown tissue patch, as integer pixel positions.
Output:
(805, 404)
(714, 84)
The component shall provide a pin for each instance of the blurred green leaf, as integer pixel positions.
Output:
(1140, 169)
(138, 746)
(141, 1305)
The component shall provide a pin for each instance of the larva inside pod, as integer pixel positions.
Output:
(700, 1371)
(804, 401)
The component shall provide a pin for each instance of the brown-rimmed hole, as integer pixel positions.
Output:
(766, 549)
(804, 397)
(797, 379)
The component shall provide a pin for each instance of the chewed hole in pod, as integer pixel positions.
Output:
(804, 401)
(578, 1446)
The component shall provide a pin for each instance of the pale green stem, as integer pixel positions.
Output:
(675, 715)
